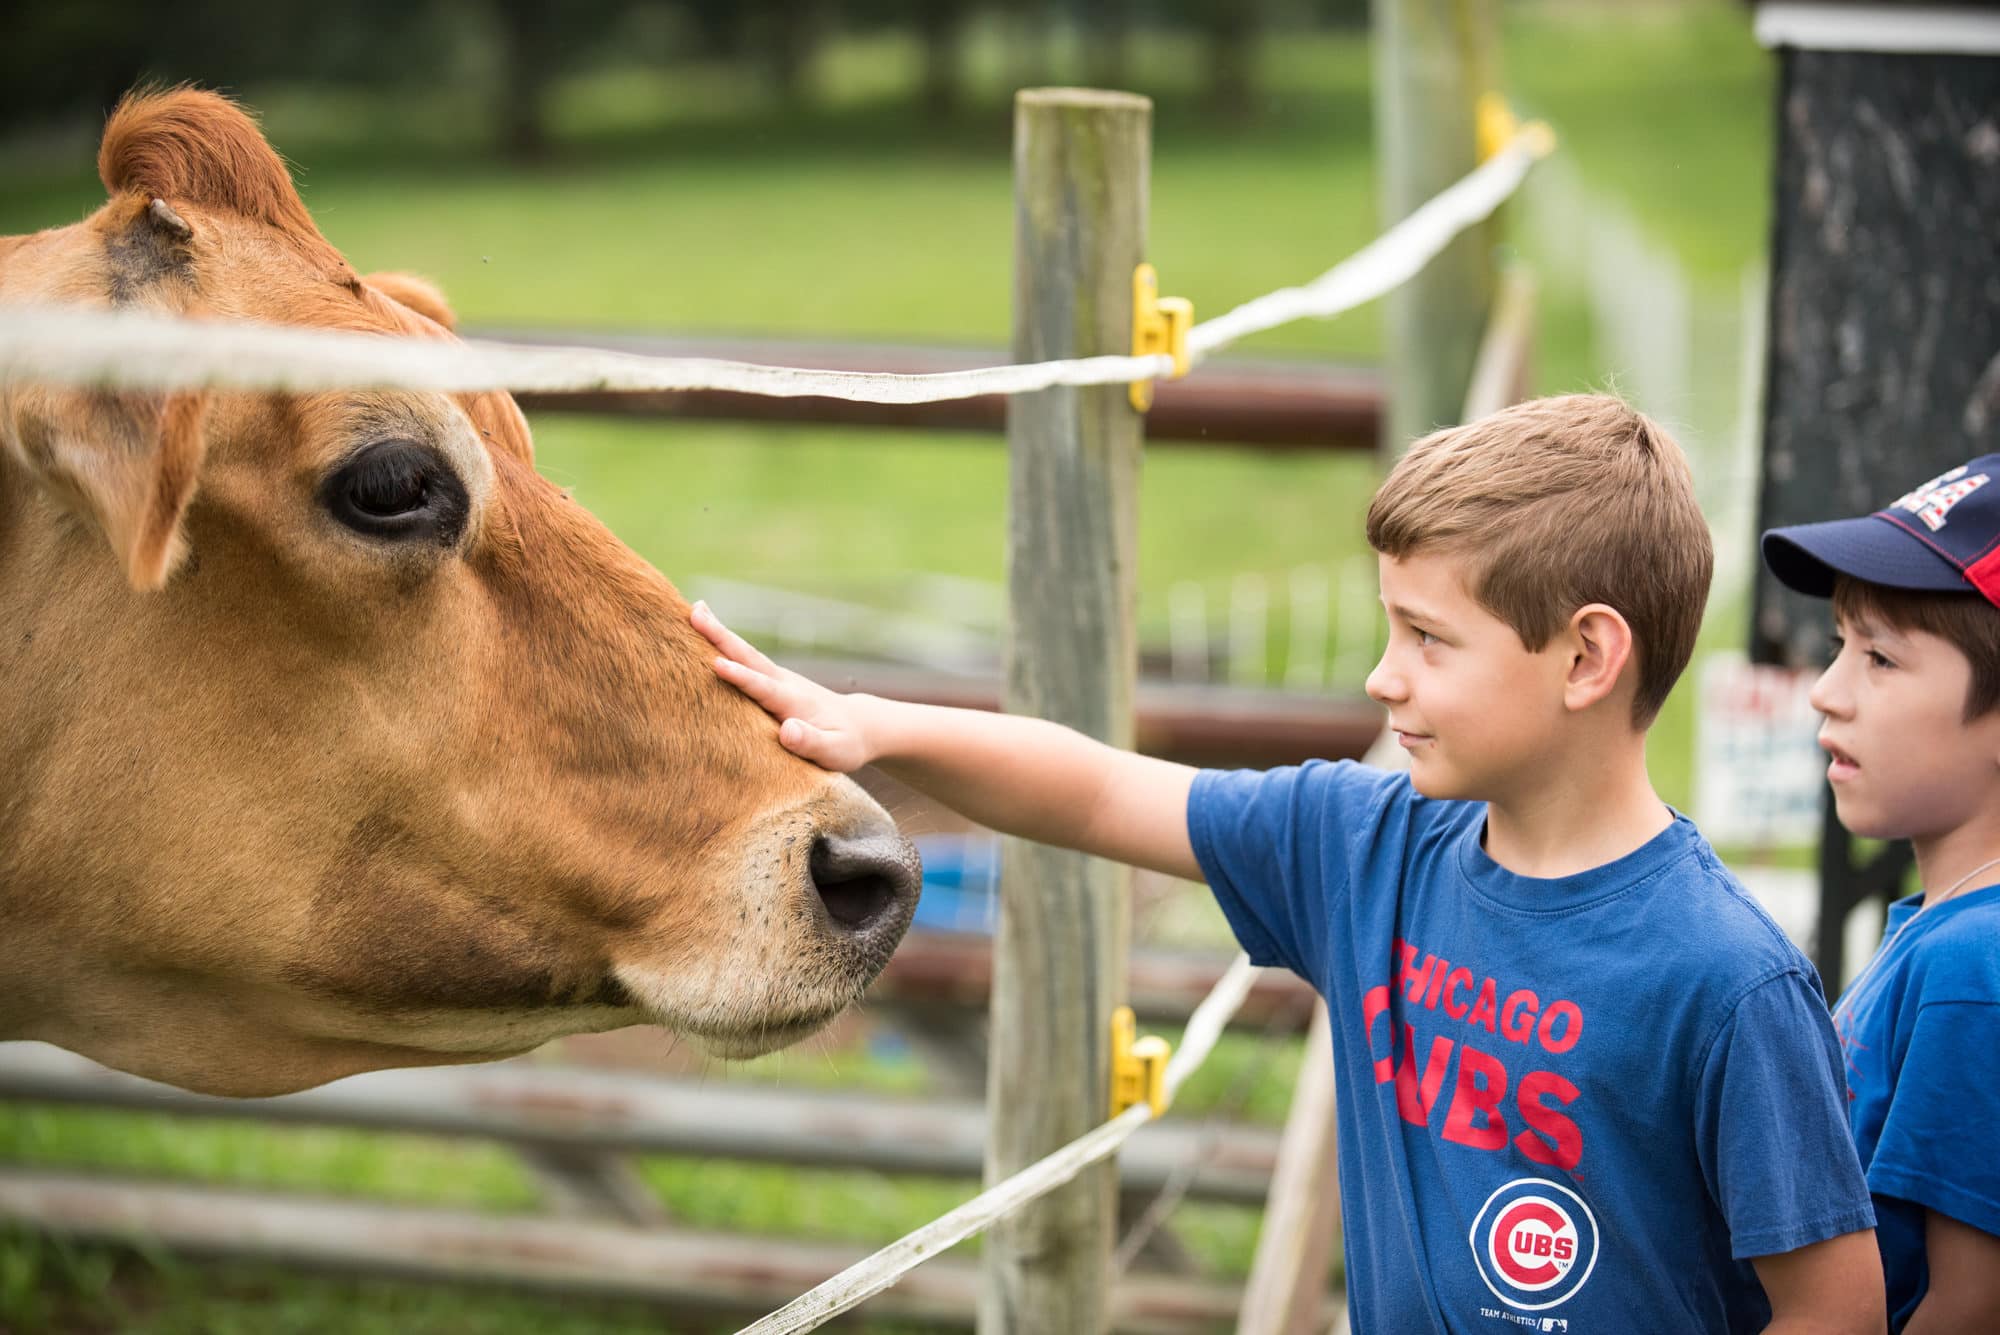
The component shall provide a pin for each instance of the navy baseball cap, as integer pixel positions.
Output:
(1943, 536)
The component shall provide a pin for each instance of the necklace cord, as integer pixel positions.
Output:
(1853, 989)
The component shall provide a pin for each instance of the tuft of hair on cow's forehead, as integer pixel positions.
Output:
(199, 149)
(189, 146)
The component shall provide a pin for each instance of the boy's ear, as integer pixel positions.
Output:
(127, 463)
(1599, 643)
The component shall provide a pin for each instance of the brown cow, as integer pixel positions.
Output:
(335, 737)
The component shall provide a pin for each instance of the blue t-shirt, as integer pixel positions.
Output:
(1576, 1104)
(1921, 1032)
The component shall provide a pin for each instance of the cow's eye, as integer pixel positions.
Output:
(397, 489)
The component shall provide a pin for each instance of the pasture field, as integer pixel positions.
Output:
(687, 203)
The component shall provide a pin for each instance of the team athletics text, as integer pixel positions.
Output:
(1478, 1112)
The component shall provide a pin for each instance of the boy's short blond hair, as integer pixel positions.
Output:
(1554, 504)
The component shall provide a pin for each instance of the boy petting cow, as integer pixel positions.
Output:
(1588, 1084)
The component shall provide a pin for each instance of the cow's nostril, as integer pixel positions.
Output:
(865, 882)
(855, 903)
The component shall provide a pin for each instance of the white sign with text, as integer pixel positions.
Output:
(1759, 771)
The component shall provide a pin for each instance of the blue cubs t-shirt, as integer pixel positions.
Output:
(1574, 1105)
(1920, 1028)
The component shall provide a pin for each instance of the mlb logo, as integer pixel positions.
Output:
(1555, 1323)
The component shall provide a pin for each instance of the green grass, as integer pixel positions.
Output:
(52, 1285)
(782, 505)
(48, 1284)
(1668, 108)
(694, 203)
(404, 1168)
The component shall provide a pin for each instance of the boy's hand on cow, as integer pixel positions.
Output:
(1021, 776)
(814, 723)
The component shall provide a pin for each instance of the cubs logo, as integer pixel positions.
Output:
(1535, 1243)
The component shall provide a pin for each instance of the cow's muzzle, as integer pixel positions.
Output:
(868, 885)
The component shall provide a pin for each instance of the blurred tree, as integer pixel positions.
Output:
(62, 61)
(940, 27)
(942, 23)
(67, 60)
(1334, 13)
(789, 34)
(528, 60)
(781, 38)
(722, 26)
(1232, 30)
(1108, 42)
(1024, 36)
(59, 60)
(540, 40)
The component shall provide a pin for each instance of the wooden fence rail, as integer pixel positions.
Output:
(685, 1269)
(1162, 986)
(540, 1105)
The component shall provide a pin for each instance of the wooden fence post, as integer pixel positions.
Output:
(1433, 59)
(1286, 1291)
(1081, 163)
(1503, 374)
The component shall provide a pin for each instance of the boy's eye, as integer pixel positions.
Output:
(1878, 659)
(1425, 637)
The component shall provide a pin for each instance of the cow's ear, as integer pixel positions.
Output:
(419, 294)
(128, 463)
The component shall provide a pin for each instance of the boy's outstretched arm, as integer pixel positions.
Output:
(1021, 776)
(1827, 1288)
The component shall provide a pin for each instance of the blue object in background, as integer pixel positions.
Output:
(961, 883)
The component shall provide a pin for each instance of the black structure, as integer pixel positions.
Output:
(1884, 355)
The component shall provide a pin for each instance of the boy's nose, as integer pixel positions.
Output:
(1826, 695)
(1385, 686)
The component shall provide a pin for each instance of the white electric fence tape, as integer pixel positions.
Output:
(865, 1278)
(130, 349)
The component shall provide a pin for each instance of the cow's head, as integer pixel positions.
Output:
(335, 736)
